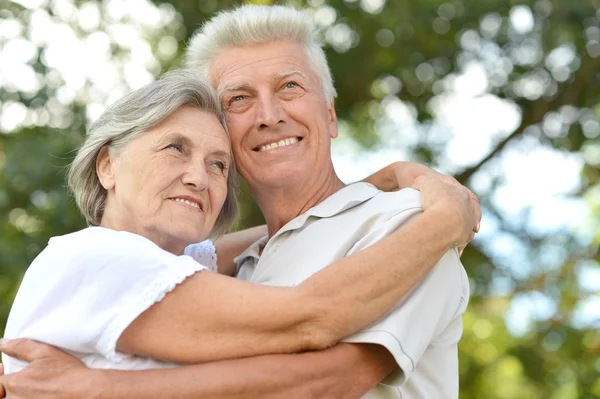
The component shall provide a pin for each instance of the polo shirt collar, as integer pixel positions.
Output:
(340, 201)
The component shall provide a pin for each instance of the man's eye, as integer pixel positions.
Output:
(237, 98)
(291, 85)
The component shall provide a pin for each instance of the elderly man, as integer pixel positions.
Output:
(275, 84)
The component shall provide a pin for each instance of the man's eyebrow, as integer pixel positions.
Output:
(230, 88)
(291, 72)
(246, 86)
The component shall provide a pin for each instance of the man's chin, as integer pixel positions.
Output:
(277, 177)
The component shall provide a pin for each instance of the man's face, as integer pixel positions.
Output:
(278, 118)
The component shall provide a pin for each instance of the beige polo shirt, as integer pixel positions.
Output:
(422, 331)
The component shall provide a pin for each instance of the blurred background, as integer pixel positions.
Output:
(503, 95)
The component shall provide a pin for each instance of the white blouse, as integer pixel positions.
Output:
(85, 288)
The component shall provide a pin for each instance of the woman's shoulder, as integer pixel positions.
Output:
(96, 237)
(102, 245)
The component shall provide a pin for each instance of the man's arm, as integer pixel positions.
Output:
(344, 371)
(232, 245)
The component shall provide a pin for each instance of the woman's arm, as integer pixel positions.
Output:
(393, 177)
(399, 175)
(212, 317)
(346, 371)
(233, 244)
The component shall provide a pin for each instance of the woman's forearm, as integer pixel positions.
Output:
(398, 175)
(232, 245)
(386, 179)
(376, 278)
(211, 317)
(346, 371)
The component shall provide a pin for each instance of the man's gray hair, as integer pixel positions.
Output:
(254, 24)
(132, 115)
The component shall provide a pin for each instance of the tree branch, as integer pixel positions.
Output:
(466, 174)
(533, 113)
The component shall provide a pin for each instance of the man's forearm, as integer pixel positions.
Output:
(233, 244)
(344, 371)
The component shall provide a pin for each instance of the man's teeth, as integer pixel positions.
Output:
(194, 204)
(281, 143)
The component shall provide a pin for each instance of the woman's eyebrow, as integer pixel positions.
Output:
(221, 153)
(176, 136)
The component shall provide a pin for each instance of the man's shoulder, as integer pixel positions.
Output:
(398, 201)
(389, 204)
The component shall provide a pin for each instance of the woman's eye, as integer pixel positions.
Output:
(219, 165)
(176, 147)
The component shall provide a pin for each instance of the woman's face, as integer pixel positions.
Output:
(170, 182)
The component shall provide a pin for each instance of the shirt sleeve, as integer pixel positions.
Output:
(81, 294)
(429, 314)
(204, 253)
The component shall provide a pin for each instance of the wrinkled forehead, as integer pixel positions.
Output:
(195, 126)
(264, 62)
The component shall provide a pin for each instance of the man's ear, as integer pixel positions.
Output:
(332, 121)
(105, 168)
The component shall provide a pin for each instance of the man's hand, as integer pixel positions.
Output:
(399, 175)
(52, 374)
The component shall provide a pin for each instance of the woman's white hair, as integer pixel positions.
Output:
(131, 116)
(255, 24)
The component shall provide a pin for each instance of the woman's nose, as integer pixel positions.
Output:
(196, 176)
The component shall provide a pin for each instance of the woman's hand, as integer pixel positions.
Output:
(455, 205)
(399, 175)
(52, 374)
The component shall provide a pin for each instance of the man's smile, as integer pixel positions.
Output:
(277, 144)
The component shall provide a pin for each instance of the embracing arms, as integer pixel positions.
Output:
(346, 371)
(393, 177)
(212, 317)
(233, 244)
(60, 376)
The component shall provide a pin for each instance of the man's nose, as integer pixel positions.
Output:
(270, 112)
(196, 177)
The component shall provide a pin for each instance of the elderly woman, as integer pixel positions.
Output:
(154, 176)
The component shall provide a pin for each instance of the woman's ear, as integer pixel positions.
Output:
(105, 168)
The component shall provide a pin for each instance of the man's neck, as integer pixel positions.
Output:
(279, 205)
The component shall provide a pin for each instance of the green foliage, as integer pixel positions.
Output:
(411, 52)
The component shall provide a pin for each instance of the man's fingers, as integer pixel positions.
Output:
(25, 349)
(2, 390)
